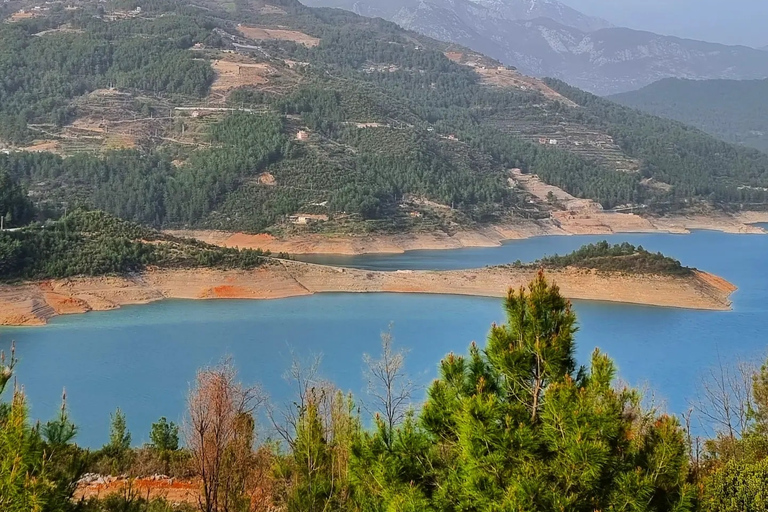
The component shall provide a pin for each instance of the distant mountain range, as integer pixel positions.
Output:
(733, 110)
(500, 9)
(547, 38)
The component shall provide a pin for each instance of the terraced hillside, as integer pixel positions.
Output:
(268, 115)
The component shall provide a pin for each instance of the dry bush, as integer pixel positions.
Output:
(220, 433)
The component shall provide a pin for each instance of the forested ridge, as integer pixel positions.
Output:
(93, 243)
(390, 126)
(515, 424)
(44, 73)
(694, 163)
(733, 110)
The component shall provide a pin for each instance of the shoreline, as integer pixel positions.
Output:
(563, 224)
(35, 303)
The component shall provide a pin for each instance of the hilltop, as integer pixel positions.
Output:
(274, 117)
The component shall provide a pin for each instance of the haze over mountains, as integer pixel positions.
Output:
(547, 38)
(733, 110)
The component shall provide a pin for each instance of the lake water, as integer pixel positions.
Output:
(143, 358)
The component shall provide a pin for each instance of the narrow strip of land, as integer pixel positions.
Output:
(591, 222)
(34, 303)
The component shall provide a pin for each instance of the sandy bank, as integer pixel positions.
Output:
(562, 223)
(36, 303)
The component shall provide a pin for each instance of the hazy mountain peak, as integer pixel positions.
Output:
(552, 9)
(510, 10)
(548, 38)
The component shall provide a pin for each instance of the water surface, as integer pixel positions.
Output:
(143, 358)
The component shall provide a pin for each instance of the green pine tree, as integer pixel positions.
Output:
(119, 436)
(164, 435)
(515, 427)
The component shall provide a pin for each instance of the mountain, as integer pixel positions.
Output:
(511, 10)
(733, 110)
(558, 43)
(269, 116)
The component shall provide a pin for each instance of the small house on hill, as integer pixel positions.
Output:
(303, 219)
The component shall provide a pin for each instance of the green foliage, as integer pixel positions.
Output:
(131, 503)
(94, 243)
(759, 407)
(737, 487)
(119, 436)
(36, 474)
(315, 473)
(617, 258)
(164, 436)
(49, 70)
(23, 483)
(443, 134)
(312, 461)
(60, 431)
(695, 164)
(14, 204)
(733, 110)
(515, 427)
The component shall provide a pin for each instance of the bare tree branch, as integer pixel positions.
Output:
(724, 402)
(388, 384)
(219, 432)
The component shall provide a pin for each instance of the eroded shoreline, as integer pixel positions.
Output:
(35, 303)
(563, 224)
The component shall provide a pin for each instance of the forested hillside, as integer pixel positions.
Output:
(733, 110)
(254, 115)
(94, 243)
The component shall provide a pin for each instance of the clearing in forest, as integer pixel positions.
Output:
(545, 193)
(283, 35)
(496, 75)
(231, 75)
(44, 146)
(503, 77)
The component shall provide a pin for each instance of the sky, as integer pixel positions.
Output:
(720, 21)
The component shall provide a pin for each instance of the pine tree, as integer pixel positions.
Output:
(164, 436)
(515, 427)
(119, 436)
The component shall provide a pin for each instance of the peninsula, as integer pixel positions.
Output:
(90, 261)
(34, 303)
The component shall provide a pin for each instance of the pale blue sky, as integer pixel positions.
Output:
(722, 21)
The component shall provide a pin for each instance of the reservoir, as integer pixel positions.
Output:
(143, 358)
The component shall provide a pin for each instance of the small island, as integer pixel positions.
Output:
(90, 261)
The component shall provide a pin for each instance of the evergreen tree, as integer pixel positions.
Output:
(164, 436)
(35, 475)
(119, 436)
(515, 427)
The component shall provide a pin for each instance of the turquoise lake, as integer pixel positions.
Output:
(143, 358)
